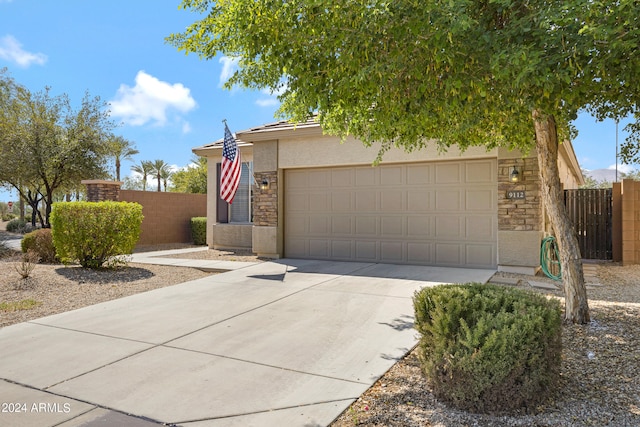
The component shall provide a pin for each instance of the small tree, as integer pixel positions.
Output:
(47, 144)
(192, 178)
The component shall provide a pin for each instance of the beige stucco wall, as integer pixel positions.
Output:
(323, 150)
(265, 242)
(231, 236)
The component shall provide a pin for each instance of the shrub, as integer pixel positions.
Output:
(4, 249)
(199, 230)
(41, 243)
(487, 348)
(16, 225)
(95, 233)
(27, 264)
(8, 216)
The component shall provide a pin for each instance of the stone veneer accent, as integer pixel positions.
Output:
(100, 191)
(265, 202)
(524, 214)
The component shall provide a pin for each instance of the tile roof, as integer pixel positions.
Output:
(244, 135)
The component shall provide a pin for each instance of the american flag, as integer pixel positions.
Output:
(231, 167)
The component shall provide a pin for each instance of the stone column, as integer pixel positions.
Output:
(267, 222)
(519, 216)
(265, 201)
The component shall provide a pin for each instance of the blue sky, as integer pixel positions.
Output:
(167, 103)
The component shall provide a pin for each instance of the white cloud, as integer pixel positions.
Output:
(272, 99)
(150, 100)
(267, 102)
(186, 127)
(11, 50)
(229, 66)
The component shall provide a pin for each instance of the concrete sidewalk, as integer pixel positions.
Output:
(283, 343)
(159, 258)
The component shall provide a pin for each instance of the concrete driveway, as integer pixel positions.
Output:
(283, 343)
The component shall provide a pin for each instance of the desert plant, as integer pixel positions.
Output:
(95, 234)
(41, 243)
(27, 264)
(199, 230)
(487, 348)
(16, 225)
(8, 216)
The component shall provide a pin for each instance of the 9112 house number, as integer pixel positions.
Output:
(515, 194)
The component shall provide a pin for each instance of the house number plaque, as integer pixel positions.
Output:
(515, 194)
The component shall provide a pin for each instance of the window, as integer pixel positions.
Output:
(241, 210)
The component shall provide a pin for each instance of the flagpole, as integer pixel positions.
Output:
(616, 150)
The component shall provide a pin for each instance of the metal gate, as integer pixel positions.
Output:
(591, 213)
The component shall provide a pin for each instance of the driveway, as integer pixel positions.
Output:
(283, 343)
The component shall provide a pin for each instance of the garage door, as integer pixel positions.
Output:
(437, 213)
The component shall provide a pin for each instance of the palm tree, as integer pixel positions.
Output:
(166, 174)
(121, 149)
(145, 168)
(159, 168)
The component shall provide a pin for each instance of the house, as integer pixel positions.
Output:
(304, 194)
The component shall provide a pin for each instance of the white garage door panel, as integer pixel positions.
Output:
(442, 213)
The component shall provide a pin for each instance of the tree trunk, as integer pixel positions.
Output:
(576, 305)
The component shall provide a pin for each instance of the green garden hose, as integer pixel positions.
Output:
(549, 258)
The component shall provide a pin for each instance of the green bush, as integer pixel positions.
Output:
(16, 225)
(95, 234)
(199, 230)
(8, 216)
(41, 243)
(489, 349)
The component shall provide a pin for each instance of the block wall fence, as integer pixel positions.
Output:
(167, 215)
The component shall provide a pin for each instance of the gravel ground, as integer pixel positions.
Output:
(601, 361)
(59, 288)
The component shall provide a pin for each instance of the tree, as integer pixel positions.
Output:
(191, 179)
(446, 72)
(165, 175)
(130, 183)
(47, 144)
(161, 171)
(121, 149)
(145, 168)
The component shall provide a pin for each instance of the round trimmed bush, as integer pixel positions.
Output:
(41, 243)
(16, 225)
(487, 348)
(95, 234)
